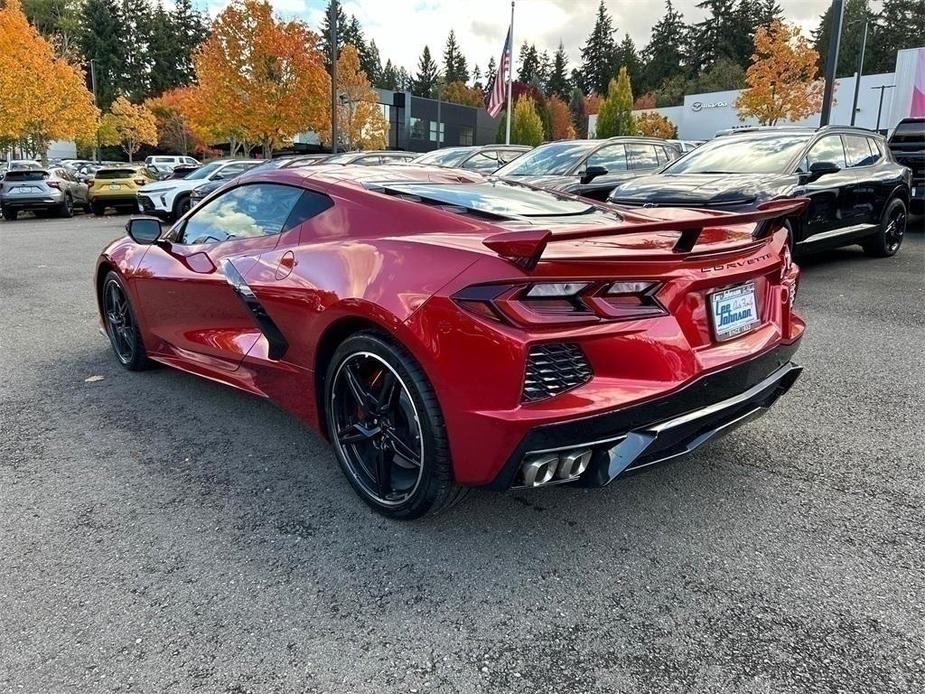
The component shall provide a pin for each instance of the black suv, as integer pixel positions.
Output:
(858, 193)
(907, 143)
(591, 168)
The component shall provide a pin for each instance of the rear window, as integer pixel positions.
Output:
(31, 175)
(494, 198)
(116, 173)
(909, 132)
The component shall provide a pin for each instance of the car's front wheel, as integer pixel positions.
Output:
(122, 325)
(387, 429)
(182, 206)
(889, 236)
(66, 208)
(10, 215)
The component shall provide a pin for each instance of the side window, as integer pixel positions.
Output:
(368, 161)
(828, 149)
(875, 151)
(641, 156)
(251, 211)
(226, 173)
(509, 155)
(611, 157)
(858, 151)
(484, 162)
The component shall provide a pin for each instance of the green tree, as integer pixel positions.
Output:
(577, 108)
(723, 75)
(558, 82)
(626, 56)
(528, 63)
(616, 114)
(852, 34)
(343, 31)
(455, 67)
(427, 75)
(597, 55)
(100, 40)
(664, 55)
(901, 24)
(189, 28)
(58, 21)
(526, 126)
(389, 77)
(719, 35)
(370, 62)
(138, 22)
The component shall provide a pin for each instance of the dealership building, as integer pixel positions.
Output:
(882, 101)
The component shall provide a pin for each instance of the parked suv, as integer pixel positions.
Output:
(591, 168)
(484, 159)
(117, 187)
(42, 191)
(170, 199)
(858, 193)
(907, 144)
(159, 161)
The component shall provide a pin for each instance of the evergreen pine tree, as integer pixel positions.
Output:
(529, 63)
(901, 24)
(189, 28)
(370, 62)
(598, 53)
(427, 75)
(852, 34)
(135, 77)
(389, 77)
(576, 107)
(628, 57)
(343, 31)
(100, 40)
(558, 82)
(663, 57)
(455, 68)
(718, 35)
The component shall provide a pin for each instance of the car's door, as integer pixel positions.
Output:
(189, 288)
(613, 159)
(832, 211)
(871, 188)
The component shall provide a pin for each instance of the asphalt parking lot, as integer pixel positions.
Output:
(160, 533)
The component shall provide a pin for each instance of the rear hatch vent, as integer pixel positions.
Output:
(554, 368)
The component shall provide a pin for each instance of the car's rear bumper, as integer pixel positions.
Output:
(30, 203)
(121, 200)
(630, 438)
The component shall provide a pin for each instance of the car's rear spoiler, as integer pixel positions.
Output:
(525, 248)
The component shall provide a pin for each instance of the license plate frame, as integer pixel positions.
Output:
(742, 298)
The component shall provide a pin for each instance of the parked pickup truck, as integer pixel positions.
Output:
(907, 143)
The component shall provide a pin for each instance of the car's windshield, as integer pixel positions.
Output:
(204, 172)
(443, 157)
(554, 159)
(271, 164)
(729, 155)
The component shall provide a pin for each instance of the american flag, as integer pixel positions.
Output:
(496, 101)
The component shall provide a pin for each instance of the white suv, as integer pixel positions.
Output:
(170, 199)
(167, 163)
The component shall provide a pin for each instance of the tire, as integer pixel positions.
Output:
(66, 208)
(98, 208)
(363, 437)
(10, 215)
(181, 206)
(889, 237)
(126, 344)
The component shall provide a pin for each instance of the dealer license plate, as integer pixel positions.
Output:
(27, 189)
(735, 311)
(114, 186)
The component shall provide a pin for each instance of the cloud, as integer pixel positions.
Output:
(401, 28)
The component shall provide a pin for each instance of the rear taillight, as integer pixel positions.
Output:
(90, 183)
(551, 303)
(54, 184)
(139, 181)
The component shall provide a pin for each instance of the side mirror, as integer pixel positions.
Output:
(143, 230)
(591, 173)
(821, 168)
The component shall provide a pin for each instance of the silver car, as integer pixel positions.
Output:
(42, 191)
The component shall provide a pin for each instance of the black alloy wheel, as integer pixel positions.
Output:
(889, 237)
(67, 207)
(387, 430)
(121, 326)
(183, 206)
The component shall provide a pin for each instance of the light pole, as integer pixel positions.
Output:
(96, 150)
(882, 88)
(332, 19)
(831, 62)
(857, 79)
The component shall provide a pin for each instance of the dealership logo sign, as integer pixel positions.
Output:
(699, 105)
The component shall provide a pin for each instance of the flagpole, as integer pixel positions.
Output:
(510, 71)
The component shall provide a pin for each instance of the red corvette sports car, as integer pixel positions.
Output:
(445, 331)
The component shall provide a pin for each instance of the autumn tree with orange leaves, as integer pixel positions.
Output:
(560, 119)
(260, 80)
(128, 125)
(783, 79)
(361, 122)
(42, 97)
(459, 93)
(652, 124)
(174, 132)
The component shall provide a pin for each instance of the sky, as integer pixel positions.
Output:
(401, 28)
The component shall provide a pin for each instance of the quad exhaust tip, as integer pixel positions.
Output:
(560, 467)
